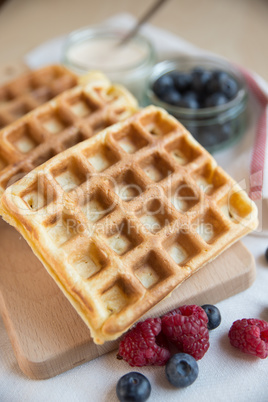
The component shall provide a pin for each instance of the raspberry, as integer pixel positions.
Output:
(186, 327)
(139, 347)
(250, 336)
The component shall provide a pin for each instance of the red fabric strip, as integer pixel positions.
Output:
(258, 154)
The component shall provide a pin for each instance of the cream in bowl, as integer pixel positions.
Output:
(98, 49)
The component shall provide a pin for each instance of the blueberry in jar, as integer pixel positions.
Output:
(229, 87)
(189, 100)
(171, 96)
(221, 81)
(163, 84)
(182, 81)
(225, 131)
(213, 84)
(200, 79)
(207, 136)
(220, 74)
(200, 88)
(194, 129)
(216, 99)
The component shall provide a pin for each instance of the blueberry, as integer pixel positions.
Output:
(193, 129)
(190, 95)
(266, 254)
(133, 387)
(189, 100)
(225, 132)
(181, 370)
(163, 84)
(202, 100)
(214, 83)
(216, 99)
(171, 96)
(220, 75)
(222, 82)
(228, 87)
(214, 315)
(198, 71)
(200, 79)
(207, 136)
(182, 81)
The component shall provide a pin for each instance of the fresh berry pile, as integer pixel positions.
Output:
(147, 343)
(186, 327)
(250, 336)
(197, 89)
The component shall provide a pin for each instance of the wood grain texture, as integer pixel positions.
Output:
(48, 336)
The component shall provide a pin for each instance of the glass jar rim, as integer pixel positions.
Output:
(165, 66)
(82, 34)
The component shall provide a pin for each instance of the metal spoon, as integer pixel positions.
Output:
(141, 21)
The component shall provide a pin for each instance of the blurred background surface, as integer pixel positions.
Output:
(236, 29)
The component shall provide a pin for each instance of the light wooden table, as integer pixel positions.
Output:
(236, 29)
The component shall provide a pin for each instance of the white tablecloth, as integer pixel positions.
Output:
(225, 374)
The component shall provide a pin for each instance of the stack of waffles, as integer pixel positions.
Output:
(31, 90)
(71, 117)
(123, 217)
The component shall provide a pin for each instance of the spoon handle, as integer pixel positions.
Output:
(141, 21)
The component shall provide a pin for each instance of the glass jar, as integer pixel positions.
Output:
(97, 49)
(214, 127)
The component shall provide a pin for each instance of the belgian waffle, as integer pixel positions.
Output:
(122, 219)
(71, 117)
(32, 89)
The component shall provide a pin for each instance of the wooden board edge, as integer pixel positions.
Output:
(82, 354)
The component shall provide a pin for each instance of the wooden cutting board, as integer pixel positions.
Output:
(48, 336)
